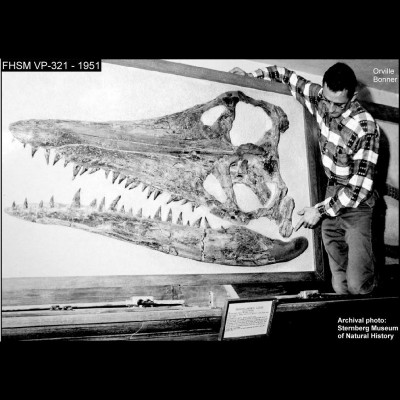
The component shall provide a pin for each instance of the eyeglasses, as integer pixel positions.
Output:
(342, 106)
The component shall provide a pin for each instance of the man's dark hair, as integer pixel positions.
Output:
(339, 77)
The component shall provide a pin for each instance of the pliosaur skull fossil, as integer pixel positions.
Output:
(174, 154)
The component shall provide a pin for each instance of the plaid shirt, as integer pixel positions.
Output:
(349, 144)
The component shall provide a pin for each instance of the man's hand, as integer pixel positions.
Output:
(238, 71)
(310, 218)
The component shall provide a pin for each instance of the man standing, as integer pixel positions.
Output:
(349, 144)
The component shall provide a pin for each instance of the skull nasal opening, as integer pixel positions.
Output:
(210, 116)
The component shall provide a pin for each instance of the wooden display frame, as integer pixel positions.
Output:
(37, 290)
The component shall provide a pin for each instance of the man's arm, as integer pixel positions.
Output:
(302, 90)
(306, 93)
(359, 188)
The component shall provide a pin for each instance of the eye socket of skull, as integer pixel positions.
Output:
(250, 125)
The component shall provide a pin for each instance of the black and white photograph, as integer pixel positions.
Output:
(142, 197)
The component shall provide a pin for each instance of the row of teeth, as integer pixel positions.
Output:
(131, 183)
(113, 207)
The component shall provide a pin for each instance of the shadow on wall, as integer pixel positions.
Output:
(364, 93)
(383, 222)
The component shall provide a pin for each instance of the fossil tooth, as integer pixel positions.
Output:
(13, 205)
(130, 211)
(66, 162)
(107, 172)
(157, 193)
(84, 169)
(139, 213)
(93, 203)
(115, 176)
(93, 170)
(26, 203)
(169, 218)
(76, 201)
(129, 180)
(102, 204)
(75, 171)
(197, 223)
(41, 204)
(114, 203)
(122, 177)
(174, 198)
(57, 158)
(34, 150)
(157, 215)
(47, 156)
(206, 223)
(134, 185)
(179, 220)
(122, 210)
(184, 202)
(193, 206)
(150, 192)
(188, 223)
(24, 145)
(52, 202)
(144, 187)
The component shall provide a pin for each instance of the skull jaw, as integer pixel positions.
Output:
(235, 246)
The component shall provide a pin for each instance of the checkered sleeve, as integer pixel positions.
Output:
(301, 89)
(361, 183)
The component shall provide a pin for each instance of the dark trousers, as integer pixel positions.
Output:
(348, 241)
